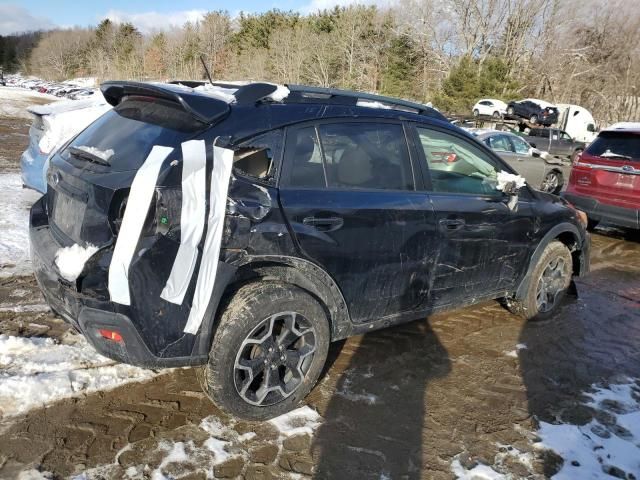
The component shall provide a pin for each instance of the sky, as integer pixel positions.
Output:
(26, 15)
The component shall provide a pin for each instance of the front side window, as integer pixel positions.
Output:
(456, 165)
(519, 145)
(500, 143)
(366, 156)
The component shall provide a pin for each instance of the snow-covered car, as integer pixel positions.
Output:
(52, 126)
(489, 107)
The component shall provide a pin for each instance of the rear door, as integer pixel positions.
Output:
(484, 245)
(609, 169)
(356, 206)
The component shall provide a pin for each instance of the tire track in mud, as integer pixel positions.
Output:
(405, 400)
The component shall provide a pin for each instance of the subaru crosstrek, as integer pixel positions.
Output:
(241, 229)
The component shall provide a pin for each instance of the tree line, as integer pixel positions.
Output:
(449, 52)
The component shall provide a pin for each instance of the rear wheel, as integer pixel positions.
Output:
(533, 119)
(476, 113)
(510, 110)
(268, 351)
(496, 115)
(552, 182)
(548, 283)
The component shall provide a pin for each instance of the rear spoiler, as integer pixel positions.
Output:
(203, 107)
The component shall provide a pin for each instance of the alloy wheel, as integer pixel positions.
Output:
(550, 182)
(551, 284)
(274, 358)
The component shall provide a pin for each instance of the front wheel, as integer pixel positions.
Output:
(268, 351)
(496, 115)
(511, 110)
(534, 119)
(476, 112)
(548, 284)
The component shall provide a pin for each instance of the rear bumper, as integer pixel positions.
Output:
(89, 314)
(596, 210)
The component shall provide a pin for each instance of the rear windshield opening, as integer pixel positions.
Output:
(127, 133)
(623, 145)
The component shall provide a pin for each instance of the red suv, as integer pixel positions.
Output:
(605, 179)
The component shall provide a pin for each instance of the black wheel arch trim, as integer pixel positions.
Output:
(582, 249)
(293, 270)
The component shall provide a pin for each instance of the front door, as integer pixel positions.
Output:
(484, 244)
(349, 193)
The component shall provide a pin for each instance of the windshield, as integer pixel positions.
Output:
(624, 145)
(122, 138)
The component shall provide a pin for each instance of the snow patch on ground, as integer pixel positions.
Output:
(15, 101)
(35, 372)
(15, 203)
(70, 260)
(610, 445)
(299, 421)
(479, 472)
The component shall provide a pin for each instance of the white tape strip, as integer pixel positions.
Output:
(140, 196)
(222, 162)
(192, 216)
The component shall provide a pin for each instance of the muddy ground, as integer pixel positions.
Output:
(400, 403)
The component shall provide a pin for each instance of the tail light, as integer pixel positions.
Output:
(164, 212)
(577, 159)
(111, 335)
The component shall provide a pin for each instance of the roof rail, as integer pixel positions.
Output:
(305, 93)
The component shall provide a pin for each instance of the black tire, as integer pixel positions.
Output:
(476, 113)
(552, 182)
(496, 115)
(529, 307)
(246, 313)
(511, 110)
(533, 119)
(592, 224)
(574, 155)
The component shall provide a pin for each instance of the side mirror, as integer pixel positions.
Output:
(591, 128)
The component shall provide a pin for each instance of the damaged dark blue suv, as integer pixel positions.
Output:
(243, 227)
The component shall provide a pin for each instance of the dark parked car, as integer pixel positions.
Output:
(338, 218)
(605, 179)
(555, 141)
(533, 112)
(545, 175)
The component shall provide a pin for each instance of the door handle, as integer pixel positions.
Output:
(324, 224)
(450, 224)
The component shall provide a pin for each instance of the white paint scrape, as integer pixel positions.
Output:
(35, 372)
(596, 449)
(71, 260)
(14, 225)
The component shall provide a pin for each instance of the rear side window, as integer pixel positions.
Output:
(367, 156)
(622, 145)
(255, 157)
(125, 135)
(303, 159)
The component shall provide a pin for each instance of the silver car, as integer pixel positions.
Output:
(544, 174)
